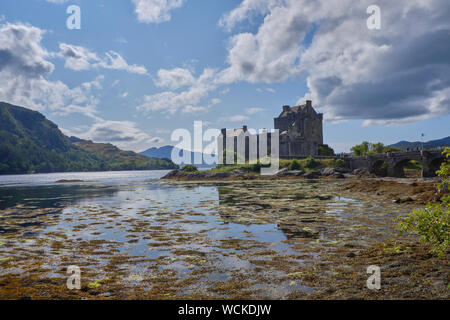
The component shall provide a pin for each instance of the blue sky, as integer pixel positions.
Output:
(139, 69)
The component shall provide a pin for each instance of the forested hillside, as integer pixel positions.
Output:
(29, 143)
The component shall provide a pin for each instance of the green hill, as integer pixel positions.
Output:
(31, 143)
(433, 144)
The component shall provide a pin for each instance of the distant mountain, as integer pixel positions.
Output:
(122, 159)
(433, 144)
(166, 153)
(31, 143)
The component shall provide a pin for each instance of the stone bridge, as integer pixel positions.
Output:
(394, 162)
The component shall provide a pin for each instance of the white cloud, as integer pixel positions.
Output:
(175, 78)
(270, 55)
(122, 40)
(80, 58)
(77, 58)
(398, 74)
(116, 62)
(234, 118)
(192, 109)
(172, 101)
(156, 11)
(124, 134)
(215, 101)
(57, 1)
(245, 10)
(252, 111)
(23, 71)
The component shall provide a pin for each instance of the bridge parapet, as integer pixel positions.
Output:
(429, 159)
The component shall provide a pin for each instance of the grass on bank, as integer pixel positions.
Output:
(308, 164)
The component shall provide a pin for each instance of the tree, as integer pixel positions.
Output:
(361, 149)
(325, 150)
(366, 148)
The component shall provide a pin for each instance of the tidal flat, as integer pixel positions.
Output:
(145, 238)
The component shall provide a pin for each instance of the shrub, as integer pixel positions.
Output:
(294, 165)
(189, 168)
(433, 222)
(311, 163)
(255, 167)
(339, 163)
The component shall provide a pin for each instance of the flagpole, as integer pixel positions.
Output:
(422, 140)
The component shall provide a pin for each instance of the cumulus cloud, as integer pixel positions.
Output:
(124, 134)
(79, 58)
(23, 71)
(21, 52)
(247, 9)
(172, 101)
(175, 78)
(116, 62)
(273, 53)
(156, 11)
(398, 74)
(192, 109)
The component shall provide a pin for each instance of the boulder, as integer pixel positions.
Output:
(281, 172)
(295, 173)
(171, 174)
(328, 171)
(338, 175)
(360, 171)
(312, 175)
(343, 170)
(238, 173)
(221, 174)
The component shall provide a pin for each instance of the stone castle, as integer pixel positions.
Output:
(301, 130)
(300, 133)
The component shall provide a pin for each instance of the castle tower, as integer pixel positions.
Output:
(301, 130)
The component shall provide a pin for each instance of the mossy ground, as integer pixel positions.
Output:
(268, 239)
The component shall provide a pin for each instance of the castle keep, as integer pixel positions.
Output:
(300, 134)
(301, 130)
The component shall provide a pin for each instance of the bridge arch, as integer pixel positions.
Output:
(379, 167)
(432, 166)
(398, 169)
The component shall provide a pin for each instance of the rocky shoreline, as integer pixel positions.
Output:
(339, 173)
(398, 190)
